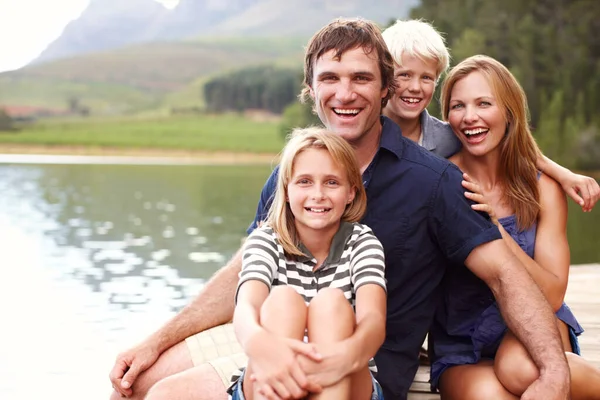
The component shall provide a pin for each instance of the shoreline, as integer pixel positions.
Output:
(32, 154)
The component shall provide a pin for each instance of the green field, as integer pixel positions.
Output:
(229, 133)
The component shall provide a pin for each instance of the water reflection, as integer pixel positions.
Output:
(95, 257)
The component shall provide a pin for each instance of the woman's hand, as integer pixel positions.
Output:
(275, 369)
(475, 193)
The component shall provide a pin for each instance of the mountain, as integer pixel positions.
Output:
(110, 24)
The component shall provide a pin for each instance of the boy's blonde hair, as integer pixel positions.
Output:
(419, 39)
(280, 216)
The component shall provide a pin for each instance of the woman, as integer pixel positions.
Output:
(473, 354)
(421, 57)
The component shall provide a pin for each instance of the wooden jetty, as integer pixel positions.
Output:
(583, 296)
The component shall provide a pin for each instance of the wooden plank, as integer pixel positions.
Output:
(583, 297)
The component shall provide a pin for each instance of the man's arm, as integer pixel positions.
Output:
(583, 189)
(526, 312)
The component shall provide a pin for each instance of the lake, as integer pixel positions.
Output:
(95, 257)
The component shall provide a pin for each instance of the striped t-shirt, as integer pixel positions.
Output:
(355, 259)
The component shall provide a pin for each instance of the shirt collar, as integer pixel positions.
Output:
(391, 137)
(426, 128)
(337, 245)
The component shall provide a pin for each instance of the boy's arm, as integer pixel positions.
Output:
(583, 189)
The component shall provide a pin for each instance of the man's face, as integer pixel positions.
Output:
(348, 93)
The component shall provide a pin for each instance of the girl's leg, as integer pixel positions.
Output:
(330, 320)
(516, 370)
(283, 313)
(473, 382)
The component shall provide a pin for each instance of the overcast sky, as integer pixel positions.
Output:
(28, 26)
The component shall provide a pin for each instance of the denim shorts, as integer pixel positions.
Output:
(237, 392)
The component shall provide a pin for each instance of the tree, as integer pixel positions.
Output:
(6, 122)
(298, 115)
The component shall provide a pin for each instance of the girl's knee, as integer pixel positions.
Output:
(331, 302)
(283, 296)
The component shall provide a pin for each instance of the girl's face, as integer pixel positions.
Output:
(475, 115)
(416, 83)
(318, 192)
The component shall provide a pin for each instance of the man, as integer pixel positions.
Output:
(417, 209)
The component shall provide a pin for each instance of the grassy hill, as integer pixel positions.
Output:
(143, 76)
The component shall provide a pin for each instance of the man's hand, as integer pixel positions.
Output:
(276, 371)
(336, 364)
(129, 365)
(556, 387)
(583, 189)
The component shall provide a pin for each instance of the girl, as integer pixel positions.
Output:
(311, 269)
(472, 351)
(421, 57)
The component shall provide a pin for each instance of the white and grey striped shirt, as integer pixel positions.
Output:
(355, 258)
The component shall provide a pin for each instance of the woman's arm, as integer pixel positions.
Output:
(583, 189)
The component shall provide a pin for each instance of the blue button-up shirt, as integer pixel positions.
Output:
(417, 208)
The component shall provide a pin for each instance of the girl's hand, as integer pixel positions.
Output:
(334, 366)
(475, 193)
(276, 372)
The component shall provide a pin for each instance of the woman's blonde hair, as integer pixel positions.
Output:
(518, 150)
(280, 216)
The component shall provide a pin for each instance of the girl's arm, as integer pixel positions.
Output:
(368, 278)
(550, 266)
(583, 189)
(370, 325)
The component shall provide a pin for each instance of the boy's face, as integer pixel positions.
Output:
(348, 93)
(415, 80)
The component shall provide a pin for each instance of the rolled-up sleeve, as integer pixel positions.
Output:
(458, 228)
(265, 200)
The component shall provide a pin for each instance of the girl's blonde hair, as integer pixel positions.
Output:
(518, 150)
(280, 216)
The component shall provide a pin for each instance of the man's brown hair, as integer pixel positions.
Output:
(345, 34)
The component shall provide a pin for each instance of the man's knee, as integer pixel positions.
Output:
(199, 383)
(162, 390)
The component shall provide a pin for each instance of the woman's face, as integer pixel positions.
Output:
(416, 83)
(475, 115)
